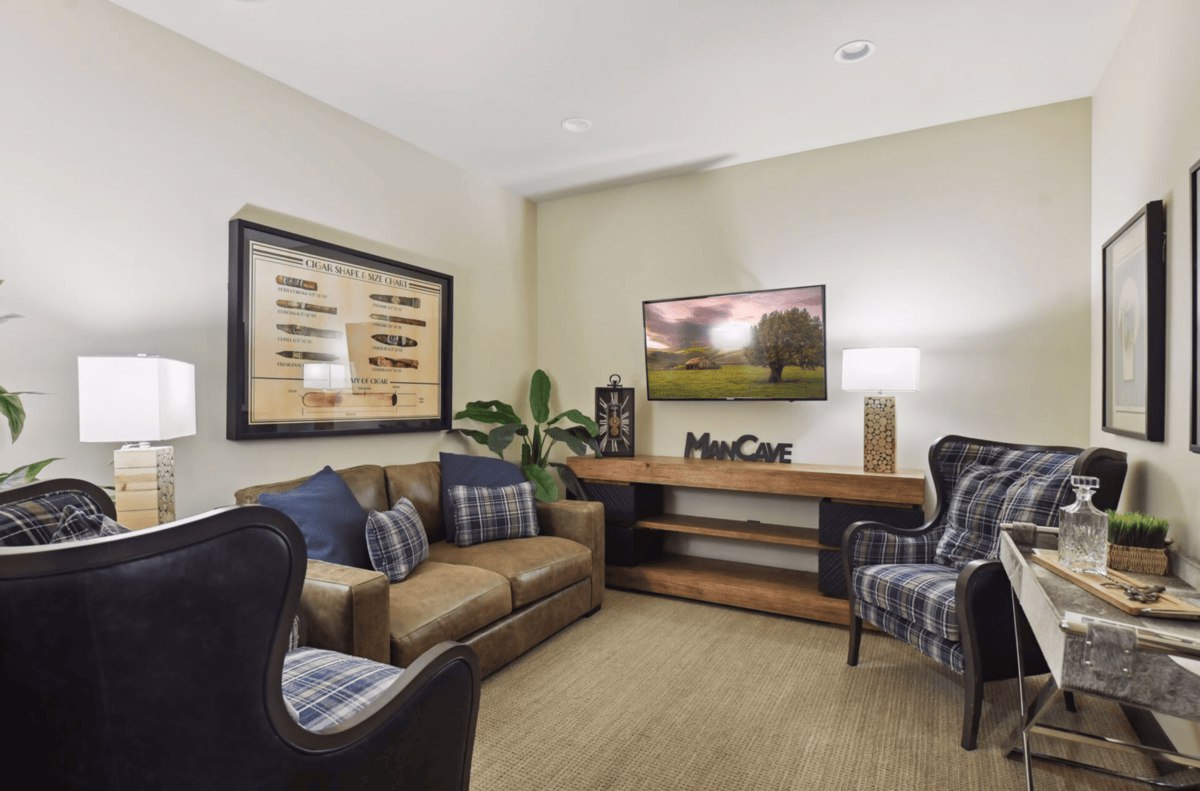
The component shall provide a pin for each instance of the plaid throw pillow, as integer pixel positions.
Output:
(491, 513)
(34, 521)
(396, 540)
(973, 515)
(79, 525)
(1037, 498)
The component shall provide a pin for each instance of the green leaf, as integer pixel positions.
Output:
(544, 486)
(13, 411)
(526, 456)
(478, 436)
(502, 436)
(587, 439)
(488, 412)
(539, 396)
(576, 416)
(570, 440)
(536, 448)
(28, 471)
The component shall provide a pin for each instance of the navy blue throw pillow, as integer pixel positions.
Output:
(462, 470)
(332, 521)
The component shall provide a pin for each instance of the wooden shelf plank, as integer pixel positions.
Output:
(905, 487)
(763, 588)
(760, 532)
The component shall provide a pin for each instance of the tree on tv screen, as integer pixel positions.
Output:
(790, 337)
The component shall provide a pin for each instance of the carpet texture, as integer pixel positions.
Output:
(658, 694)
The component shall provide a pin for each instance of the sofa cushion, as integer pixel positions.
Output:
(323, 689)
(534, 567)
(1037, 498)
(920, 593)
(330, 517)
(493, 513)
(365, 481)
(80, 525)
(462, 470)
(441, 601)
(421, 483)
(973, 515)
(33, 521)
(396, 540)
(947, 652)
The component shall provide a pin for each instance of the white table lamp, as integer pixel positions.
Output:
(138, 400)
(880, 370)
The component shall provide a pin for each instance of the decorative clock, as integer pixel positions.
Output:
(614, 416)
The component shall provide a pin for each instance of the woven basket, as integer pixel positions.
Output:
(1140, 560)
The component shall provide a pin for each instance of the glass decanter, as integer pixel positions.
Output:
(1083, 530)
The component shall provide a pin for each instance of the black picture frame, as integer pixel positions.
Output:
(1134, 267)
(364, 343)
(1194, 180)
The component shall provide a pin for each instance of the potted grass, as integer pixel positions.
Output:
(1138, 543)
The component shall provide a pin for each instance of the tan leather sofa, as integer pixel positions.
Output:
(501, 597)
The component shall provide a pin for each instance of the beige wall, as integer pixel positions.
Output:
(1146, 135)
(968, 240)
(127, 149)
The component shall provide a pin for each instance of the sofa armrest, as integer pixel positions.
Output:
(345, 609)
(582, 522)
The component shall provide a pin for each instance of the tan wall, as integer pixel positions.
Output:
(968, 240)
(126, 151)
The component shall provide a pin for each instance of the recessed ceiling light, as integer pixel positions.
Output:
(853, 51)
(577, 124)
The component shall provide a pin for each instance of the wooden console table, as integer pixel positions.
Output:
(765, 588)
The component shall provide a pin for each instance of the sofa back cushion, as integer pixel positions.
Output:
(365, 481)
(327, 512)
(463, 470)
(422, 484)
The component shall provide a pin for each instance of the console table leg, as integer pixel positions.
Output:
(1026, 718)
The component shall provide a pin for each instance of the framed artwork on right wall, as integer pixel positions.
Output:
(1135, 327)
(1194, 178)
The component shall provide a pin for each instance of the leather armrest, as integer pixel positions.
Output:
(582, 522)
(346, 609)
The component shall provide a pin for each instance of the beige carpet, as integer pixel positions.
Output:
(654, 693)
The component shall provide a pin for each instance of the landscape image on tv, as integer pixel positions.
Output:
(758, 345)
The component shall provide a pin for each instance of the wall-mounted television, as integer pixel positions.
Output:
(748, 346)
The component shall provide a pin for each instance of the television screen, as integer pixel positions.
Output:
(754, 345)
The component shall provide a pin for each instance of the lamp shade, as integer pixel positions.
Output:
(135, 399)
(892, 369)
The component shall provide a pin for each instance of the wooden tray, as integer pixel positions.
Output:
(1167, 606)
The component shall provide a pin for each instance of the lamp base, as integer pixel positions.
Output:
(879, 434)
(145, 485)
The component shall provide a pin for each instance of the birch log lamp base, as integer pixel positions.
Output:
(138, 400)
(896, 370)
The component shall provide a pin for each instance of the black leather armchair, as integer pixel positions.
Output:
(961, 618)
(153, 660)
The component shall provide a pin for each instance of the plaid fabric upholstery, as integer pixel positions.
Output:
(396, 540)
(955, 457)
(1037, 498)
(77, 525)
(324, 688)
(943, 651)
(490, 513)
(873, 546)
(34, 521)
(973, 515)
(920, 593)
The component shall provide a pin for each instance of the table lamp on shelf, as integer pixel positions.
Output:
(138, 400)
(879, 370)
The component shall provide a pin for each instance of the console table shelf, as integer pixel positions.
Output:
(764, 588)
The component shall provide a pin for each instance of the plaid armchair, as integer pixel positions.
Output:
(940, 587)
(161, 658)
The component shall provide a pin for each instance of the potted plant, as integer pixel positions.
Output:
(13, 411)
(1138, 543)
(572, 428)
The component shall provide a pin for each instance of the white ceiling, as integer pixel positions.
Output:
(670, 85)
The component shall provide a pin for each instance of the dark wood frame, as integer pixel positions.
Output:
(1156, 323)
(983, 600)
(1194, 179)
(237, 385)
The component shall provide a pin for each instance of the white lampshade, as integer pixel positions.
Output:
(894, 369)
(135, 399)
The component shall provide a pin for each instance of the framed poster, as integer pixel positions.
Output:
(324, 340)
(1135, 329)
(1194, 442)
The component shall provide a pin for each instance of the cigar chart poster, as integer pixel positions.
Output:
(328, 340)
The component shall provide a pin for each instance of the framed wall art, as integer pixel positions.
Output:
(1194, 179)
(1135, 329)
(325, 340)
